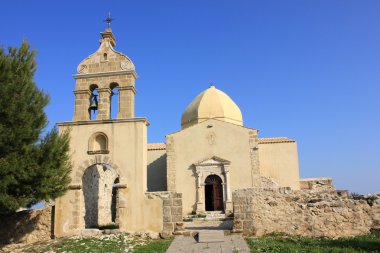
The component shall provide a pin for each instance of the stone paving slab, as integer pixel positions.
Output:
(211, 236)
(208, 225)
(231, 244)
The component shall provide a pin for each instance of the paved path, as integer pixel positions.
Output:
(231, 244)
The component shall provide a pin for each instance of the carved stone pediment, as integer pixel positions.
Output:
(213, 161)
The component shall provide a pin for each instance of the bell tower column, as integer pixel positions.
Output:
(104, 106)
(82, 102)
(126, 102)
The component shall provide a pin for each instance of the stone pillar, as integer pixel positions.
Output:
(121, 206)
(228, 207)
(76, 214)
(200, 193)
(82, 103)
(126, 102)
(104, 105)
(171, 163)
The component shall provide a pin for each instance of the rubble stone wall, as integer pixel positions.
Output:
(310, 213)
(317, 184)
(25, 227)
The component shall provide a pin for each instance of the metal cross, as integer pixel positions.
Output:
(109, 20)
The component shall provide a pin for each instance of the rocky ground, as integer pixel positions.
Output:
(100, 243)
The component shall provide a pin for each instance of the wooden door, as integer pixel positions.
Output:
(214, 193)
(218, 196)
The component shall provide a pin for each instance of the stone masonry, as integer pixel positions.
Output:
(25, 227)
(172, 210)
(333, 214)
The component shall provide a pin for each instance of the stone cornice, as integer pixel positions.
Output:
(107, 121)
(111, 73)
(132, 88)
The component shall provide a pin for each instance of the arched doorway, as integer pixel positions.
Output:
(213, 193)
(100, 195)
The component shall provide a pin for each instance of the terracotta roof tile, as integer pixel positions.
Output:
(275, 140)
(157, 146)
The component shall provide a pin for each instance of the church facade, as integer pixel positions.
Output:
(119, 178)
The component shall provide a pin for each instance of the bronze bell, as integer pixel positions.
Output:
(93, 102)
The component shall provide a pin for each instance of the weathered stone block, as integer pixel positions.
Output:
(177, 218)
(177, 202)
(168, 226)
(167, 211)
(176, 210)
(167, 202)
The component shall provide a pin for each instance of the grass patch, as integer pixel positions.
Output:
(299, 244)
(155, 246)
(102, 244)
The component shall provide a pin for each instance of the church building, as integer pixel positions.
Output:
(119, 178)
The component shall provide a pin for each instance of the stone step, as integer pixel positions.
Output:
(205, 236)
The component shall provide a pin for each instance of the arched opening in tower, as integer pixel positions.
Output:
(114, 105)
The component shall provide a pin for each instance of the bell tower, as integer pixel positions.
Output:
(99, 75)
(109, 155)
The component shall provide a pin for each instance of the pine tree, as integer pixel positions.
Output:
(32, 167)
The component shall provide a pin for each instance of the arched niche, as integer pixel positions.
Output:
(98, 144)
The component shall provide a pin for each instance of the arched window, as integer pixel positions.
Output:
(105, 57)
(98, 144)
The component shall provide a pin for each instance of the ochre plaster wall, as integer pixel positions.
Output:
(127, 144)
(156, 170)
(201, 142)
(279, 161)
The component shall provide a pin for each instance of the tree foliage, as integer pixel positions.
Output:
(32, 167)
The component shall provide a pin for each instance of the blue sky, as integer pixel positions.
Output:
(308, 70)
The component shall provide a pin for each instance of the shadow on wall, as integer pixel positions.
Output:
(90, 182)
(157, 175)
(27, 226)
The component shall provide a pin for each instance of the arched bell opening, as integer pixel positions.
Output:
(114, 104)
(213, 193)
(93, 102)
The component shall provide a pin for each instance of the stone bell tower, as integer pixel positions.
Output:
(109, 156)
(102, 72)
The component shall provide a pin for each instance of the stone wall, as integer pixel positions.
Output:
(317, 184)
(310, 213)
(25, 227)
(172, 210)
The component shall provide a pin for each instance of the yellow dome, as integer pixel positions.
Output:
(211, 104)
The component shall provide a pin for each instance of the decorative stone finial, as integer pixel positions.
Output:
(107, 34)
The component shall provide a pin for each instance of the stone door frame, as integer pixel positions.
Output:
(213, 166)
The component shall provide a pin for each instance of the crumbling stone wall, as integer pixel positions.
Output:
(172, 210)
(310, 213)
(25, 227)
(317, 184)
